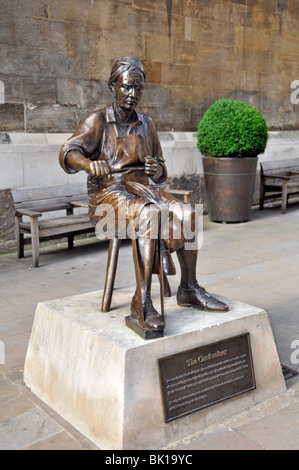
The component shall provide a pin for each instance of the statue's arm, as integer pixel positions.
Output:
(77, 162)
(75, 155)
(155, 165)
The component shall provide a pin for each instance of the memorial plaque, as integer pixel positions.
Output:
(206, 375)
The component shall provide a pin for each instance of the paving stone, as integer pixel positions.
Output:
(27, 428)
(14, 406)
(60, 441)
(7, 390)
(224, 439)
(276, 431)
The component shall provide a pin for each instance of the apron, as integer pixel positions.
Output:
(114, 202)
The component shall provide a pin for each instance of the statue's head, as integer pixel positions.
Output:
(126, 82)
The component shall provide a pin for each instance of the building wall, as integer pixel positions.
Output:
(55, 58)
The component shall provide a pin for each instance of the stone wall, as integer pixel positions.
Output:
(55, 58)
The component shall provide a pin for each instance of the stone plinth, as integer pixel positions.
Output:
(104, 379)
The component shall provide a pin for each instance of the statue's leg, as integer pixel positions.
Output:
(188, 263)
(146, 255)
(190, 294)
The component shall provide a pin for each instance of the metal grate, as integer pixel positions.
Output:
(288, 373)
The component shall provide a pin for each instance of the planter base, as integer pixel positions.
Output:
(229, 186)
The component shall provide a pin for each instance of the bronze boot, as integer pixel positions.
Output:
(152, 319)
(198, 297)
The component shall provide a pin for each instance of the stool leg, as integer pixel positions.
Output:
(114, 245)
(161, 276)
(166, 287)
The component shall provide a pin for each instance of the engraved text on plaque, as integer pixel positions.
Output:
(203, 376)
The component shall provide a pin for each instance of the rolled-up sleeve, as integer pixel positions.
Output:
(86, 140)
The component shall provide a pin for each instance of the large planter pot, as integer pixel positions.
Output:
(229, 186)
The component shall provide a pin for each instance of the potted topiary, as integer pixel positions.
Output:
(230, 136)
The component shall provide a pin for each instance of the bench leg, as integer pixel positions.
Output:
(70, 237)
(35, 240)
(262, 196)
(21, 244)
(20, 239)
(70, 241)
(284, 196)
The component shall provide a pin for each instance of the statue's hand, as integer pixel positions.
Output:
(98, 168)
(151, 166)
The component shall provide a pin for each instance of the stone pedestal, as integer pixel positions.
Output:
(104, 379)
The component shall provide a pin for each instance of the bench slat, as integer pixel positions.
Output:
(48, 192)
(271, 187)
(283, 165)
(66, 221)
(75, 229)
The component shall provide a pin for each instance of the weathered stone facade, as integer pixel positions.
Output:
(55, 58)
(7, 223)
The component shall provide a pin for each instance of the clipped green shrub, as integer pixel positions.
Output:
(231, 128)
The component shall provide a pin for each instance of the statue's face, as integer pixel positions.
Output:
(128, 90)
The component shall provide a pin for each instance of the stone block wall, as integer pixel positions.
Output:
(55, 58)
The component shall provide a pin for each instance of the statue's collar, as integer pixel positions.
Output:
(110, 115)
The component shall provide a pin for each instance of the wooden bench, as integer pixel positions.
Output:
(184, 193)
(36, 203)
(279, 179)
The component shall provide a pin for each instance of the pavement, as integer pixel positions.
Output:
(254, 262)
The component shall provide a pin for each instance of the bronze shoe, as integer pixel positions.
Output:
(198, 297)
(152, 319)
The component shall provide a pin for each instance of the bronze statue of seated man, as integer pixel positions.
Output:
(120, 151)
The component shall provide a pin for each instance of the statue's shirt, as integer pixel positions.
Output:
(98, 138)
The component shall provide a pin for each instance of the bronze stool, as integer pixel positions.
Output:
(114, 245)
